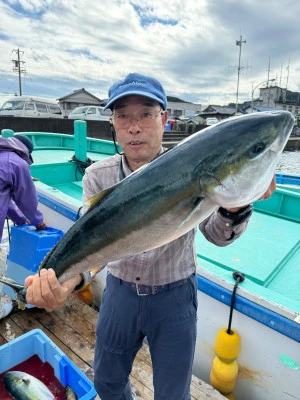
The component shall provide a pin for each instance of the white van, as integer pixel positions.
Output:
(27, 106)
(212, 121)
(90, 113)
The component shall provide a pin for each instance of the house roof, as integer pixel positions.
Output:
(264, 108)
(261, 108)
(76, 92)
(211, 109)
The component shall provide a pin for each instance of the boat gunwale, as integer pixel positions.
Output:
(259, 312)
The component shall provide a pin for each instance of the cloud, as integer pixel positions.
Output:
(190, 46)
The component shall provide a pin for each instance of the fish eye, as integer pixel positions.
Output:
(259, 148)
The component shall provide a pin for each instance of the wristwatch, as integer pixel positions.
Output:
(239, 216)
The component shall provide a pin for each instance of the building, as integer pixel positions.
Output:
(220, 112)
(280, 98)
(78, 98)
(183, 110)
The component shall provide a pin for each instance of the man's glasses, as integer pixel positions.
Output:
(144, 119)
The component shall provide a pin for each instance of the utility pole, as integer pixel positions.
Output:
(239, 43)
(17, 67)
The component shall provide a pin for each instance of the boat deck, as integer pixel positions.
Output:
(268, 253)
(72, 329)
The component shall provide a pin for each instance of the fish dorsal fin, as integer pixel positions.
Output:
(93, 201)
(196, 206)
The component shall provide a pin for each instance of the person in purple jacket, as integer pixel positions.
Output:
(18, 197)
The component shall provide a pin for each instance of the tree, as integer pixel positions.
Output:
(176, 100)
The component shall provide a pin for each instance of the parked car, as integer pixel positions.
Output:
(27, 106)
(90, 113)
(211, 121)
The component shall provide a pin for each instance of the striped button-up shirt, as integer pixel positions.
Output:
(168, 263)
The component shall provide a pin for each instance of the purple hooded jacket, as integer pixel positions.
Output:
(18, 197)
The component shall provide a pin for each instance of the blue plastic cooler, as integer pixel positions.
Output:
(28, 247)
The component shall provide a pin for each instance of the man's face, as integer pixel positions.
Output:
(139, 123)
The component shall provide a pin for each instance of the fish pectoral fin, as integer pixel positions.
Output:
(94, 271)
(91, 202)
(196, 206)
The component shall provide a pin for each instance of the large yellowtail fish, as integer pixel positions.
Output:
(229, 164)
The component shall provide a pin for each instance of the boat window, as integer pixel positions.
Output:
(92, 110)
(13, 105)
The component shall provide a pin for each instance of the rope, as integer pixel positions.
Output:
(78, 213)
(239, 277)
(81, 165)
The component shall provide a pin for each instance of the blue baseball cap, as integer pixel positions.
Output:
(136, 84)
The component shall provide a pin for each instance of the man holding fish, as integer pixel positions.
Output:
(152, 294)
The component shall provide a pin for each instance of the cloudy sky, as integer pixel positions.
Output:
(189, 45)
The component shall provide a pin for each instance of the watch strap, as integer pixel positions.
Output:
(239, 216)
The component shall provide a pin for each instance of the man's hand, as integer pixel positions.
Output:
(270, 189)
(265, 196)
(44, 290)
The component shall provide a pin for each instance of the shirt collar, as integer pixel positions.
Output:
(125, 167)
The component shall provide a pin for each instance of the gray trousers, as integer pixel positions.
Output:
(168, 321)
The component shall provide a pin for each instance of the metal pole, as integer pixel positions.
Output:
(252, 98)
(238, 43)
(288, 72)
(269, 94)
(19, 68)
(268, 72)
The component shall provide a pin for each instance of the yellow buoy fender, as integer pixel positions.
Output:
(222, 386)
(223, 371)
(227, 345)
(230, 396)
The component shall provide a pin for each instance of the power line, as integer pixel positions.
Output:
(18, 67)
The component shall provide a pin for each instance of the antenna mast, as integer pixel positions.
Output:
(268, 72)
(288, 73)
(239, 43)
(280, 76)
